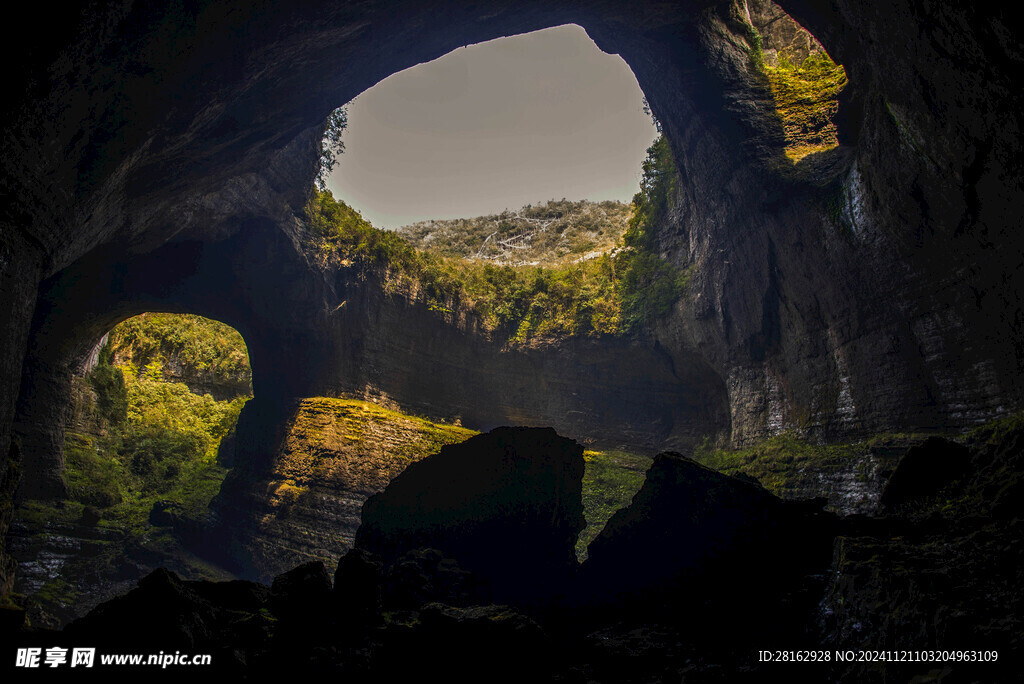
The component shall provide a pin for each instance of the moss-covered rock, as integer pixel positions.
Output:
(850, 475)
(335, 453)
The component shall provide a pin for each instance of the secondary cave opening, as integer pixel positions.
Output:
(152, 405)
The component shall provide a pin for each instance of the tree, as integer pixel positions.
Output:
(331, 145)
(650, 113)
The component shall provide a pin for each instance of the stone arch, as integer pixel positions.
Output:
(230, 136)
(82, 303)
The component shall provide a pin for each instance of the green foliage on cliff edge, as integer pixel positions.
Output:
(201, 344)
(650, 285)
(617, 293)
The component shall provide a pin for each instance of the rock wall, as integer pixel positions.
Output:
(154, 158)
(829, 302)
(335, 454)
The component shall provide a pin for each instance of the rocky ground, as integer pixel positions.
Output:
(689, 583)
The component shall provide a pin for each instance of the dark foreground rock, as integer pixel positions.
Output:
(700, 573)
(944, 571)
(695, 539)
(507, 505)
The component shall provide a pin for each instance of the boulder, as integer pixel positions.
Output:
(506, 505)
(166, 513)
(302, 592)
(493, 642)
(162, 611)
(357, 595)
(90, 516)
(693, 536)
(425, 576)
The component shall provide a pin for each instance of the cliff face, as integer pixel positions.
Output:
(846, 294)
(155, 159)
(335, 454)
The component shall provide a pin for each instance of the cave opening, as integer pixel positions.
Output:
(560, 295)
(146, 445)
(492, 127)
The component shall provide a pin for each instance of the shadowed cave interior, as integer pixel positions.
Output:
(803, 381)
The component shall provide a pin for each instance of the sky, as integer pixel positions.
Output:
(495, 126)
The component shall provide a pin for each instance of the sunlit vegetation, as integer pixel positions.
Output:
(806, 98)
(618, 291)
(650, 285)
(156, 440)
(199, 345)
(790, 465)
(549, 234)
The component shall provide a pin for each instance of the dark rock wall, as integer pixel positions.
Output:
(872, 287)
(867, 288)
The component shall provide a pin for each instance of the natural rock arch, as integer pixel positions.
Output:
(875, 290)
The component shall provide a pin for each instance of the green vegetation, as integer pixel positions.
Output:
(135, 440)
(776, 461)
(326, 427)
(163, 446)
(199, 345)
(789, 465)
(806, 96)
(610, 479)
(621, 291)
(111, 392)
(155, 440)
(996, 431)
(650, 285)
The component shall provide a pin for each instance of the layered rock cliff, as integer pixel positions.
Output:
(336, 454)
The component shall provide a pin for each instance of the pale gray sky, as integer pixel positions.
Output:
(496, 125)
